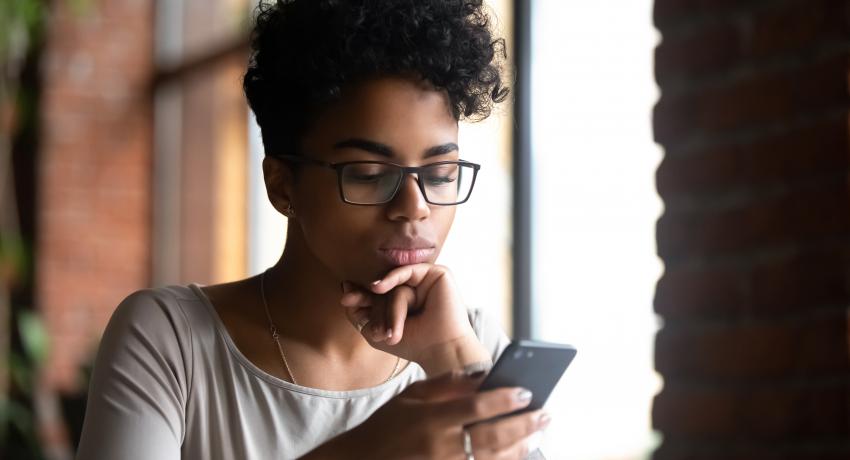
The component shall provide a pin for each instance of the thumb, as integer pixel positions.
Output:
(450, 385)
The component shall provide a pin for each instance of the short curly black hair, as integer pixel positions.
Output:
(304, 52)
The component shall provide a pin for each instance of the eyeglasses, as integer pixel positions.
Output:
(443, 183)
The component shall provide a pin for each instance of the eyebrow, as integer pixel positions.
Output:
(387, 151)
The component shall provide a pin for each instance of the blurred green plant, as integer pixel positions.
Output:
(23, 370)
(22, 26)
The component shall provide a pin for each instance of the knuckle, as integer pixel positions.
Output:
(400, 295)
(478, 407)
(492, 437)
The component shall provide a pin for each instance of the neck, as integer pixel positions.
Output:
(303, 300)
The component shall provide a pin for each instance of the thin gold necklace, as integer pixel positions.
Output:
(276, 336)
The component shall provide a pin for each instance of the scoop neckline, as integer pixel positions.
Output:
(254, 369)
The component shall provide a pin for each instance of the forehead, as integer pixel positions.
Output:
(401, 113)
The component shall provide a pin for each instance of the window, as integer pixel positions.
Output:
(200, 141)
(594, 263)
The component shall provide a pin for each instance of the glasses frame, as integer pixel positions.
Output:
(405, 170)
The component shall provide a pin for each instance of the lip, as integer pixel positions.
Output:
(406, 256)
(407, 249)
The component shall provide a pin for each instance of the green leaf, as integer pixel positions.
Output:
(34, 336)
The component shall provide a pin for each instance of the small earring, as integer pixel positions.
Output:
(289, 212)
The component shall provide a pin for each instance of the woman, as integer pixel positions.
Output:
(354, 344)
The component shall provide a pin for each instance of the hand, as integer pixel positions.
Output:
(426, 421)
(415, 312)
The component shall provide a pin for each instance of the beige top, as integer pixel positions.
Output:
(169, 383)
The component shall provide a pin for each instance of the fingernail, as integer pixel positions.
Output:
(473, 375)
(523, 396)
(375, 283)
(543, 421)
(389, 333)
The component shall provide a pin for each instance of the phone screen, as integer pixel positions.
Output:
(537, 366)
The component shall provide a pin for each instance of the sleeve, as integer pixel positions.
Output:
(140, 382)
(489, 332)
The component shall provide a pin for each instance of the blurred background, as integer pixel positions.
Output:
(667, 191)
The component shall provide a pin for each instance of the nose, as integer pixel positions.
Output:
(408, 203)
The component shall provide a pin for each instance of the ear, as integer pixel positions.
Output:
(279, 180)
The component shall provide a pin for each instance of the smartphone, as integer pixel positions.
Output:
(531, 364)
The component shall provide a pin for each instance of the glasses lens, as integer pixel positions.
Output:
(369, 183)
(448, 183)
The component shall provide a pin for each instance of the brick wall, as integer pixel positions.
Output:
(94, 182)
(755, 236)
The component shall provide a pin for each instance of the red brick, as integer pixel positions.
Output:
(786, 28)
(801, 215)
(703, 52)
(764, 412)
(669, 12)
(755, 351)
(681, 411)
(814, 449)
(751, 103)
(700, 292)
(781, 159)
(802, 281)
(798, 25)
(812, 278)
(803, 347)
(95, 162)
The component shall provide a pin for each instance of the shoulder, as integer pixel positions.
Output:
(142, 379)
(153, 308)
(148, 336)
(159, 321)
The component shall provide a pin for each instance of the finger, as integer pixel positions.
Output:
(354, 296)
(377, 329)
(504, 433)
(365, 313)
(406, 274)
(358, 317)
(448, 386)
(402, 298)
(484, 405)
(355, 299)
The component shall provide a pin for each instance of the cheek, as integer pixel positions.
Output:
(441, 219)
(341, 237)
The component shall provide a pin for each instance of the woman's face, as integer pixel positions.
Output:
(387, 119)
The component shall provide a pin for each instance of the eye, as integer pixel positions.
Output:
(441, 175)
(366, 177)
(366, 173)
(440, 180)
